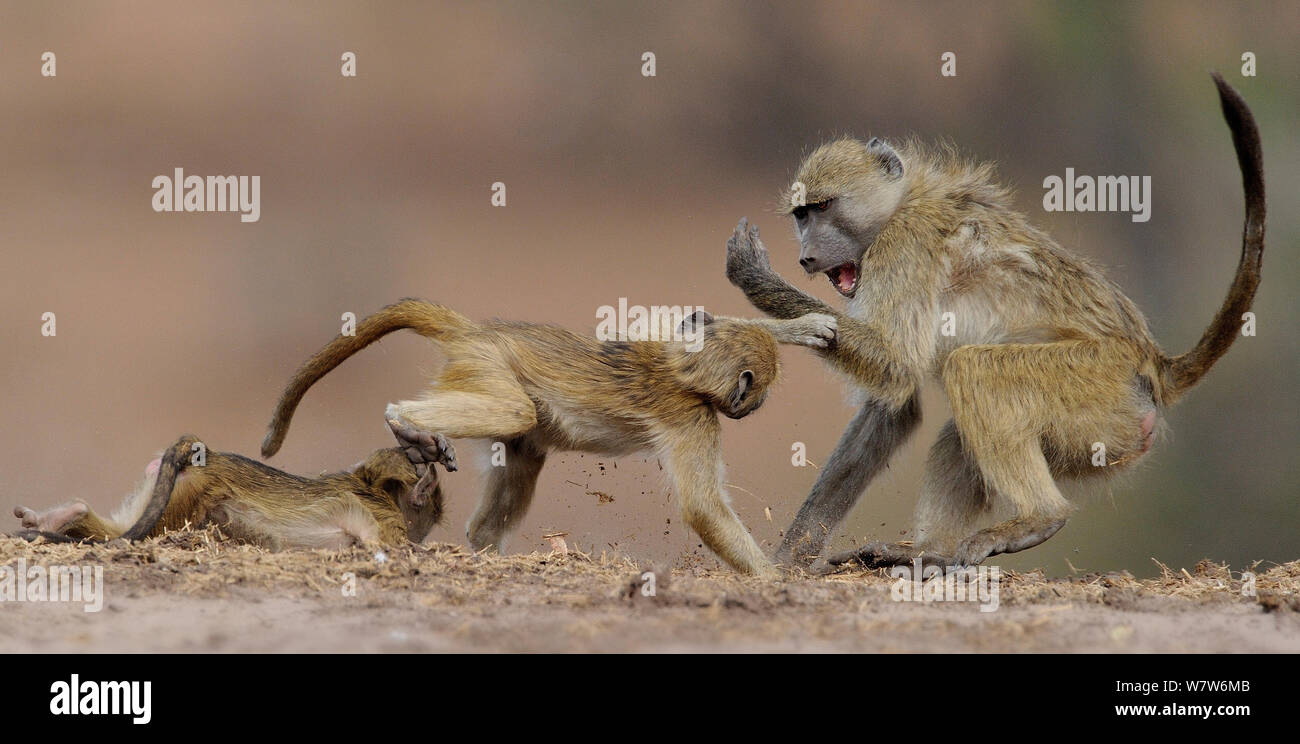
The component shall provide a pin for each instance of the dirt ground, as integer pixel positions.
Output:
(193, 592)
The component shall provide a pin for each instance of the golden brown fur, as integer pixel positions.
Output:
(538, 388)
(1047, 360)
(372, 503)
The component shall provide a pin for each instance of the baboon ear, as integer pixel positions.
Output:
(743, 384)
(694, 321)
(885, 155)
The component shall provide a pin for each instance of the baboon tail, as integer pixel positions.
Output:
(1185, 370)
(174, 460)
(54, 537)
(425, 318)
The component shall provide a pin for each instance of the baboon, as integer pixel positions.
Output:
(538, 388)
(1048, 357)
(374, 502)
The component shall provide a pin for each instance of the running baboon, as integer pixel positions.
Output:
(538, 388)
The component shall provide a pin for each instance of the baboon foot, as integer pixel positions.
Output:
(887, 555)
(423, 447)
(53, 519)
(1008, 537)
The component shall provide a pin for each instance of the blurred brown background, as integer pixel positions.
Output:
(378, 186)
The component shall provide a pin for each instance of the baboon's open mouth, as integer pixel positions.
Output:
(844, 278)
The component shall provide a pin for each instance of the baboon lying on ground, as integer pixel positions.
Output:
(374, 502)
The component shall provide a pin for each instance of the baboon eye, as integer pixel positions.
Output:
(822, 205)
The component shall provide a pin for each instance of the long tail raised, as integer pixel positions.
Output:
(1185, 370)
(425, 318)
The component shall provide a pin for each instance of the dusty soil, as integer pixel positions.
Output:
(193, 592)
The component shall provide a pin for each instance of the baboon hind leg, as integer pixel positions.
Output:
(953, 499)
(1005, 400)
(478, 405)
(507, 495)
(74, 519)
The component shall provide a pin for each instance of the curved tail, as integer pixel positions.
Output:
(1185, 370)
(425, 318)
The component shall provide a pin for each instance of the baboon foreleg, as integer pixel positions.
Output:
(814, 330)
(953, 498)
(750, 269)
(695, 460)
(863, 450)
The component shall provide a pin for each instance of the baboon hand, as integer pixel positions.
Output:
(815, 330)
(423, 447)
(746, 254)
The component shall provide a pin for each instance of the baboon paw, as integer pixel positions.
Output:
(871, 555)
(745, 252)
(52, 519)
(817, 330)
(975, 549)
(813, 342)
(28, 516)
(824, 326)
(823, 567)
(423, 447)
(797, 554)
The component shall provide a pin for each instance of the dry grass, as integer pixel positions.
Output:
(575, 601)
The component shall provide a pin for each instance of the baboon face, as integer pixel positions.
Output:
(851, 191)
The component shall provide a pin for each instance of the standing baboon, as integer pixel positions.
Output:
(1048, 360)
